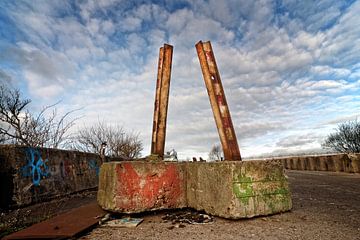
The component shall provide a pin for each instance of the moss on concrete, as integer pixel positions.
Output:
(243, 188)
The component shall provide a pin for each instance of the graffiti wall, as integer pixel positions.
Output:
(29, 175)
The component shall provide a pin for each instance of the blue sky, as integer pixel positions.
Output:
(290, 69)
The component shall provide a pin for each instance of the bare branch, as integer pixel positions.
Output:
(216, 153)
(119, 143)
(25, 128)
(346, 139)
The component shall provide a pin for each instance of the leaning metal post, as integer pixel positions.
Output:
(218, 101)
(161, 100)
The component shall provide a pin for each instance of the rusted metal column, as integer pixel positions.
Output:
(218, 101)
(161, 100)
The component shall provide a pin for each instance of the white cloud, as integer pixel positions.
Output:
(298, 140)
(343, 40)
(131, 24)
(327, 70)
(287, 73)
(309, 41)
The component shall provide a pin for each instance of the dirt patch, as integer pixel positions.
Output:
(17, 219)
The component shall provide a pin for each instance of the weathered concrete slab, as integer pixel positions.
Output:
(238, 189)
(136, 186)
(229, 189)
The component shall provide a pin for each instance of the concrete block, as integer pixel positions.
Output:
(238, 189)
(301, 164)
(293, 163)
(139, 186)
(330, 163)
(227, 189)
(354, 162)
(338, 162)
(307, 163)
(317, 163)
(348, 167)
(323, 165)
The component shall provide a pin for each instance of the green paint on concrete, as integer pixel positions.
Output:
(271, 190)
(243, 189)
(277, 199)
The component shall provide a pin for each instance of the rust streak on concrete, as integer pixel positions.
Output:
(218, 101)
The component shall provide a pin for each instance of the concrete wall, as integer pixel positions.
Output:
(349, 163)
(29, 175)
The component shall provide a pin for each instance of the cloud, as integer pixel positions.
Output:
(45, 73)
(342, 39)
(186, 28)
(290, 69)
(324, 71)
(343, 119)
(5, 79)
(295, 141)
(314, 16)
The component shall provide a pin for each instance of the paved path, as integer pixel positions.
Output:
(326, 206)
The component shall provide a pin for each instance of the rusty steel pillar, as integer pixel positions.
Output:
(161, 100)
(218, 101)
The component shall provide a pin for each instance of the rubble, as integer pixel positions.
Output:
(189, 217)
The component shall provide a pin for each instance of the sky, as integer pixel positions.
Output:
(290, 69)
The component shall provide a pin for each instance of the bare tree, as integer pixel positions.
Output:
(11, 107)
(118, 142)
(22, 127)
(216, 152)
(346, 139)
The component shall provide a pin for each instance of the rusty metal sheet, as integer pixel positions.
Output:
(161, 100)
(218, 101)
(63, 226)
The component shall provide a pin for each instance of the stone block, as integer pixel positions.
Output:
(230, 189)
(238, 189)
(139, 186)
(354, 162)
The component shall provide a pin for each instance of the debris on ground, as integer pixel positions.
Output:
(190, 217)
(123, 222)
(104, 219)
(177, 225)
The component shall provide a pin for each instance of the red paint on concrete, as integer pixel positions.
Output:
(128, 186)
(164, 188)
(159, 186)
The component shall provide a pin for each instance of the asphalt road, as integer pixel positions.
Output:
(325, 206)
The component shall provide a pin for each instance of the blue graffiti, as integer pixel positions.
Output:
(94, 165)
(36, 167)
